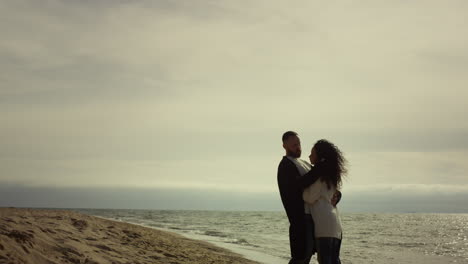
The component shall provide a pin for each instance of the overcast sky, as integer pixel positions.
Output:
(195, 95)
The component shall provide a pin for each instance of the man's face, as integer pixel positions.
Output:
(293, 147)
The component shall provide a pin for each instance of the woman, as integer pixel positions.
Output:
(320, 198)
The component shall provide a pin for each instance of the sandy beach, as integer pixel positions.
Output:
(59, 236)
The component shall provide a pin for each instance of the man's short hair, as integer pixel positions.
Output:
(288, 134)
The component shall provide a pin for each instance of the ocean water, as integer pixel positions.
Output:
(367, 237)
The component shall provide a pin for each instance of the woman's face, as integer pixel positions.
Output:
(313, 156)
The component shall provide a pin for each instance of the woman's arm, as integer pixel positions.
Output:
(310, 177)
(312, 193)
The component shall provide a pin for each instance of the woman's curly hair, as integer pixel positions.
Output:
(331, 161)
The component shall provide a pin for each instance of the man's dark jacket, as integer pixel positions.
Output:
(291, 186)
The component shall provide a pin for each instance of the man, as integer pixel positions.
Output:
(291, 185)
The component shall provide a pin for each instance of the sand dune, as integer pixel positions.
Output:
(40, 236)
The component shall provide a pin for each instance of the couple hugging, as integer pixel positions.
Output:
(310, 192)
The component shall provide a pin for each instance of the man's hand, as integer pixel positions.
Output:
(336, 198)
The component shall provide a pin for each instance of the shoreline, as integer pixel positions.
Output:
(40, 236)
(406, 257)
(114, 228)
(247, 253)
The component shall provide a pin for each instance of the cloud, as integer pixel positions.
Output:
(401, 199)
(148, 92)
(399, 190)
(18, 195)
(374, 168)
(408, 198)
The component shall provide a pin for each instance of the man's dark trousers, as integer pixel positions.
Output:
(307, 241)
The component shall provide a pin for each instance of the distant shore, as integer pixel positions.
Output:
(40, 236)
